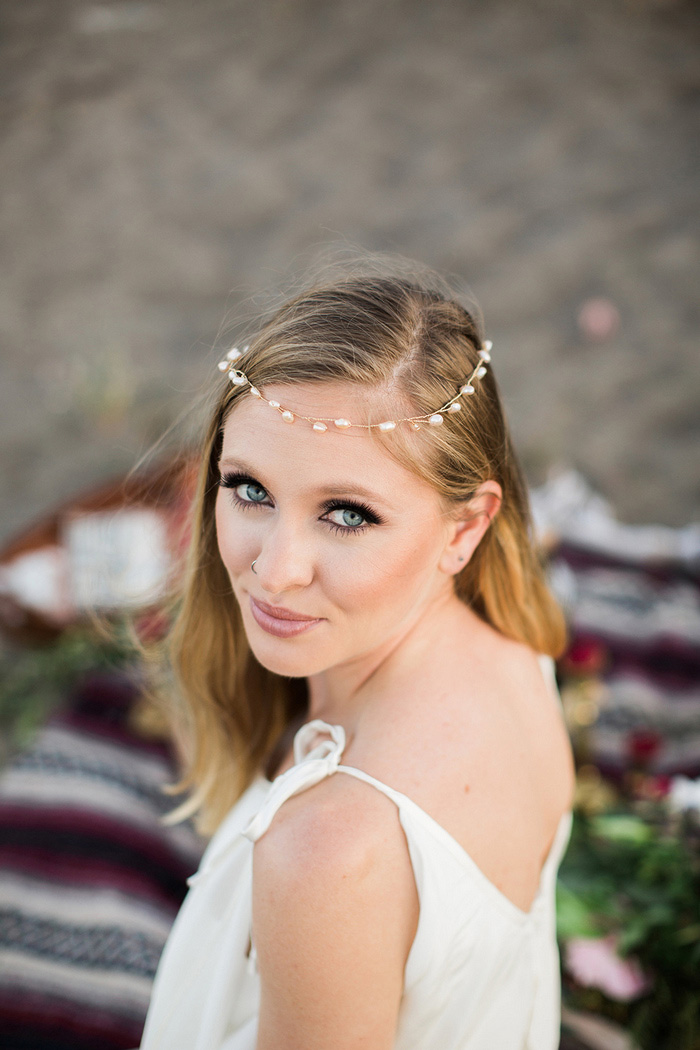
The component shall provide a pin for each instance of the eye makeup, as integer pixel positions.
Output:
(235, 479)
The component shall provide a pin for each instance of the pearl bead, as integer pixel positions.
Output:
(234, 353)
(318, 425)
(484, 355)
(288, 416)
(255, 392)
(389, 424)
(480, 373)
(435, 420)
(237, 378)
(488, 345)
(274, 404)
(455, 407)
(223, 366)
(466, 389)
(343, 424)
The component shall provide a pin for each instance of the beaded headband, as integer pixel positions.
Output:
(320, 423)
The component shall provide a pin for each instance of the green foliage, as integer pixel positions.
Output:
(34, 682)
(635, 872)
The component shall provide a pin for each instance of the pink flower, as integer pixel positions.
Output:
(594, 963)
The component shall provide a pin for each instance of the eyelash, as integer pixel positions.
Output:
(232, 481)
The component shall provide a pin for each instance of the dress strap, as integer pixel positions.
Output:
(392, 793)
(311, 766)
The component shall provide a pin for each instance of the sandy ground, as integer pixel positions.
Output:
(164, 161)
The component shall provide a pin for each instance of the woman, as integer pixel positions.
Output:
(364, 645)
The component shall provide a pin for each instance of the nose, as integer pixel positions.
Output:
(285, 561)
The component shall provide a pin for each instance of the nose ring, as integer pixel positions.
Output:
(253, 566)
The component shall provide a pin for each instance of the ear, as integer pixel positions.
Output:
(469, 525)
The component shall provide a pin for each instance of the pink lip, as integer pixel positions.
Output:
(281, 622)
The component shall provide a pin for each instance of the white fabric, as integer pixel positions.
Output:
(567, 508)
(481, 973)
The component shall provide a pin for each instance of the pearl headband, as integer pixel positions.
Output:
(320, 423)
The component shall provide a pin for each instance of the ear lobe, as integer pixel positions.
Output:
(469, 528)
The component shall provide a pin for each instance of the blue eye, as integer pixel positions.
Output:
(254, 492)
(353, 518)
(349, 517)
(245, 491)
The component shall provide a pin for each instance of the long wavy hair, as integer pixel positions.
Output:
(400, 336)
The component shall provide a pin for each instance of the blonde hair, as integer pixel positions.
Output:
(404, 338)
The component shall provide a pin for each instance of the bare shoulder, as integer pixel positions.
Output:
(330, 841)
(335, 911)
(339, 824)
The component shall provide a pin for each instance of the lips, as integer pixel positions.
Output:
(280, 613)
(283, 623)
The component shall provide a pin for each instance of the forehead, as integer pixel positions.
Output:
(256, 435)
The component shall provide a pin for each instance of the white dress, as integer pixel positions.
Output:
(481, 973)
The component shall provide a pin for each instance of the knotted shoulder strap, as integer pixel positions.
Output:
(311, 766)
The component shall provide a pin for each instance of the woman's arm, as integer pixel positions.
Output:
(335, 910)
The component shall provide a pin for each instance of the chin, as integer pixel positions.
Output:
(287, 665)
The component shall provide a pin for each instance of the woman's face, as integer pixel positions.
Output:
(339, 531)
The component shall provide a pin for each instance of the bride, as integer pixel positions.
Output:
(364, 649)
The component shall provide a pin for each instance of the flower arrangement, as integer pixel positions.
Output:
(628, 908)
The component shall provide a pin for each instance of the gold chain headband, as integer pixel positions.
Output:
(320, 423)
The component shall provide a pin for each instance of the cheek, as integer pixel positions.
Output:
(390, 576)
(233, 538)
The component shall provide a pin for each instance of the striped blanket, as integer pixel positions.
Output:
(645, 615)
(90, 880)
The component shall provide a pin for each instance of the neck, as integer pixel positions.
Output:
(340, 694)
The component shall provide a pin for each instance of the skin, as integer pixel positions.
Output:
(387, 662)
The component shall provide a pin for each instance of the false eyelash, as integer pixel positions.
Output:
(233, 480)
(344, 504)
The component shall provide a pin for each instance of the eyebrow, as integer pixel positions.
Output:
(335, 489)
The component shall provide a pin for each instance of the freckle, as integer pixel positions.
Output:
(466, 788)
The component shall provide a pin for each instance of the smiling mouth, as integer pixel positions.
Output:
(285, 625)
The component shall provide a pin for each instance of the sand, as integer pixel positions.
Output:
(164, 162)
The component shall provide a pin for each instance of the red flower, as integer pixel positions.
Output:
(643, 745)
(586, 656)
(660, 785)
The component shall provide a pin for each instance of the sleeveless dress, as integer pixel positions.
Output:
(481, 974)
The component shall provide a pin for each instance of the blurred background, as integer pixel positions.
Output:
(163, 161)
(165, 166)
